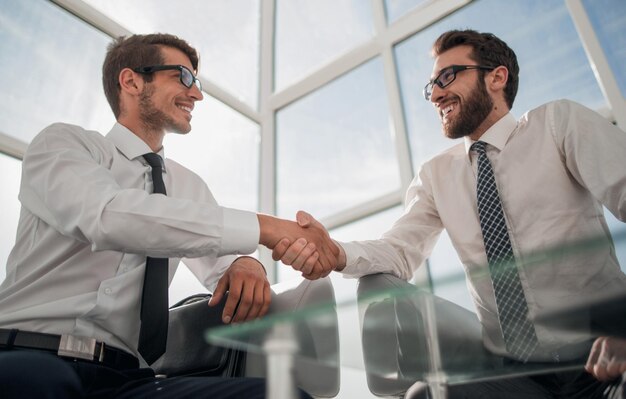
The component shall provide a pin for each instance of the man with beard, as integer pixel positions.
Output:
(511, 190)
(103, 225)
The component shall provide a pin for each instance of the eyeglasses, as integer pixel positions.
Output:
(447, 76)
(186, 77)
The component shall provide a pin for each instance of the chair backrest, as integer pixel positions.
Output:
(394, 335)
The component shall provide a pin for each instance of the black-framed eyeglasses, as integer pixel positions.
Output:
(186, 76)
(447, 76)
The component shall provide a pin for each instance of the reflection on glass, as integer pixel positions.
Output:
(226, 33)
(397, 8)
(223, 148)
(50, 70)
(543, 37)
(334, 148)
(608, 18)
(312, 33)
(10, 181)
(408, 335)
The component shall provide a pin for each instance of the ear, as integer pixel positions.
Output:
(130, 82)
(496, 79)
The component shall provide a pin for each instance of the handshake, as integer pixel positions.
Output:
(305, 245)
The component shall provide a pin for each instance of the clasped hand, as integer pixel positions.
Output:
(305, 244)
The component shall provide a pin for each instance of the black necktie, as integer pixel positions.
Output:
(517, 330)
(154, 310)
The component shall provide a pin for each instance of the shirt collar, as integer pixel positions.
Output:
(497, 135)
(129, 144)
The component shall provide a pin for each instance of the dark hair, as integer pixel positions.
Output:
(135, 51)
(488, 50)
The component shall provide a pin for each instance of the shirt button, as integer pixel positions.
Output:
(108, 291)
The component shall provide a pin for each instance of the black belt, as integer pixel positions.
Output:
(69, 346)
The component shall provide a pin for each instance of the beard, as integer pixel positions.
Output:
(473, 112)
(153, 118)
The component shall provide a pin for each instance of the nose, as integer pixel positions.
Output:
(196, 93)
(437, 94)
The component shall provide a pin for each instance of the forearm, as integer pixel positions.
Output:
(379, 256)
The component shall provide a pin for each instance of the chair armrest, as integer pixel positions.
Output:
(187, 352)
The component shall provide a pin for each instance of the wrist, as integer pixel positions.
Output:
(265, 229)
(341, 258)
(255, 260)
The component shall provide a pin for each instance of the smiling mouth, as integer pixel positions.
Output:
(187, 110)
(445, 111)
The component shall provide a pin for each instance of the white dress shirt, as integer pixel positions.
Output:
(88, 220)
(554, 169)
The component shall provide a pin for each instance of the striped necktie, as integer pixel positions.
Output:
(518, 332)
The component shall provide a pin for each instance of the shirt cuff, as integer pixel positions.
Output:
(240, 232)
(354, 252)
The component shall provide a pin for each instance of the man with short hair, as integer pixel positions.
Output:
(104, 223)
(510, 190)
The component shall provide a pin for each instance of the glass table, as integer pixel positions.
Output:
(410, 335)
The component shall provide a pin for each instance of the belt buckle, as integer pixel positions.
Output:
(78, 347)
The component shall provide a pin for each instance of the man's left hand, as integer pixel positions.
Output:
(607, 359)
(249, 291)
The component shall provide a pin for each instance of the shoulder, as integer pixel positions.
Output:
(558, 110)
(441, 164)
(67, 133)
(63, 137)
(562, 116)
(453, 154)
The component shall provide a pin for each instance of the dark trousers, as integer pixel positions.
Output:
(33, 374)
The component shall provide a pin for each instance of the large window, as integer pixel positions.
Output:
(334, 147)
(226, 33)
(49, 70)
(608, 18)
(223, 148)
(310, 34)
(395, 9)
